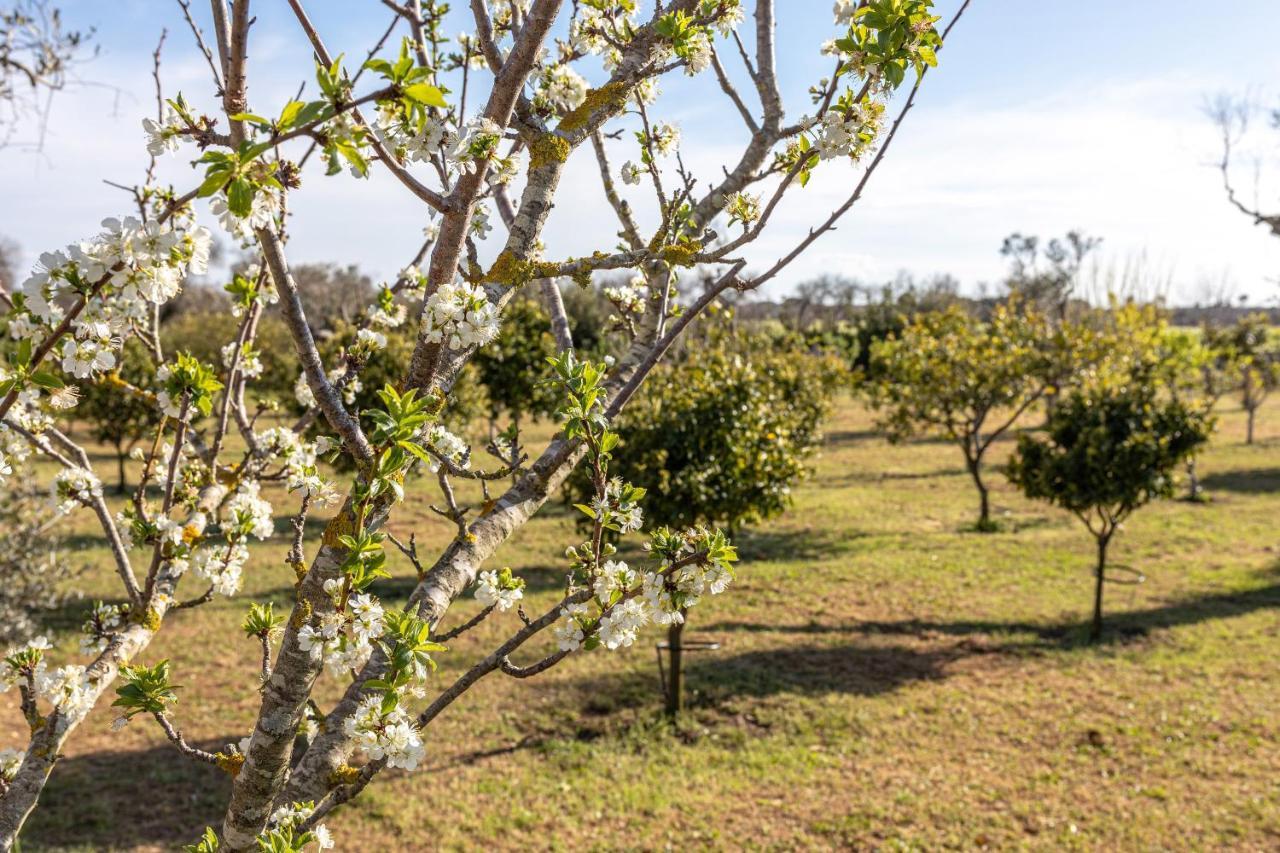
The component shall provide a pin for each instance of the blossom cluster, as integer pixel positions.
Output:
(349, 385)
(562, 88)
(619, 506)
(292, 816)
(104, 622)
(344, 638)
(73, 487)
(448, 446)
(10, 761)
(460, 315)
(128, 267)
(299, 461)
(245, 513)
(69, 689)
(597, 30)
(410, 139)
(499, 590)
(265, 210)
(384, 733)
(849, 130)
(690, 565)
(630, 299)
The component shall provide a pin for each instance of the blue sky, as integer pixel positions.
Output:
(1044, 115)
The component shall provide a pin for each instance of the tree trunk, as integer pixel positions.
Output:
(1195, 490)
(974, 463)
(1095, 631)
(122, 484)
(1248, 435)
(675, 670)
(284, 696)
(452, 572)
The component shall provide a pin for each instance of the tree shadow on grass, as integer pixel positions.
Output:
(100, 796)
(1252, 481)
(858, 669)
(1034, 637)
(838, 438)
(920, 475)
(793, 545)
(715, 679)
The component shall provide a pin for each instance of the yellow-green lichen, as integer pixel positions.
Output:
(301, 615)
(610, 98)
(342, 524)
(344, 774)
(512, 271)
(149, 619)
(548, 148)
(230, 763)
(682, 254)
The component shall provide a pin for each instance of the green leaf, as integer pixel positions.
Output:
(252, 119)
(425, 93)
(312, 111)
(240, 197)
(416, 450)
(289, 114)
(47, 380)
(214, 182)
(893, 73)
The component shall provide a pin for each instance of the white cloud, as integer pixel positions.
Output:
(1128, 163)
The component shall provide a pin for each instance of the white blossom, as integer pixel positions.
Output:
(491, 593)
(392, 736)
(66, 688)
(162, 136)
(564, 88)
(74, 487)
(460, 315)
(10, 761)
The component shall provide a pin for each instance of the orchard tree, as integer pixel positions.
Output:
(969, 381)
(1246, 350)
(1106, 452)
(507, 369)
(719, 436)
(487, 127)
(1191, 371)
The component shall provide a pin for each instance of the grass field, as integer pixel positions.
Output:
(885, 680)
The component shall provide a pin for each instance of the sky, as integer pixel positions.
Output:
(1043, 116)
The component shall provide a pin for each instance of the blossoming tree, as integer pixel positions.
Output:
(487, 126)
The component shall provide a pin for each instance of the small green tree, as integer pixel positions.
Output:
(1190, 370)
(950, 374)
(1246, 347)
(1105, 452)
(717, 438)
(117, 408)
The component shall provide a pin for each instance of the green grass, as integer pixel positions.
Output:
(885, 680)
